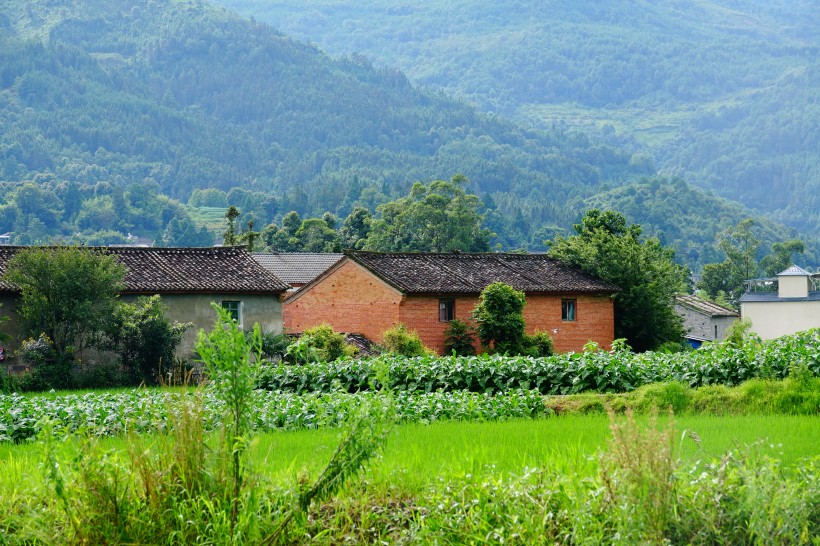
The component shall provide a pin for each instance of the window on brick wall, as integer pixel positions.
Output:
(568, 310)
(446, 310)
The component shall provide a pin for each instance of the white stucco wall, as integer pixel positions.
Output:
(772, 319)
(793, 287)
(196, 308)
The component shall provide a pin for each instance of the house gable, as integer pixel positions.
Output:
(349, 298)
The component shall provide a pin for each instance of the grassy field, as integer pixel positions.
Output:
(417, 455)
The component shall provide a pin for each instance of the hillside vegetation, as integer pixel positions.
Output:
(114, 113)
(102, 95)
(721, 92)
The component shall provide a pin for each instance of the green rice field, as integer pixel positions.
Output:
(417, 455)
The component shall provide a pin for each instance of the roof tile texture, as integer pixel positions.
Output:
(297, 267)
(182, 270)
(469, 273)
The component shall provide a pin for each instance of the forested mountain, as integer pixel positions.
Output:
(690, 220)
(113, 114)
(107, 106)
(721, 92)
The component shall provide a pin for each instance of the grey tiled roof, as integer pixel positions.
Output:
(467, 273)
(182, 270)
(751, 297)
(705, 306)
(297, 267)
(794, 271)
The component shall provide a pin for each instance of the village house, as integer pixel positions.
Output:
(187, 280)
(785, 305)
(371, 292)
(703, 320)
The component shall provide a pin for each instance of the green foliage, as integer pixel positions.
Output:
(782, 257)
(47, 368)
(403, 342)
(231, 235)
(182, 232)
(570, 373)
(738, 333)
(145, 340)
(500, 319)
(4, 336)
(67, 293)
(441, 217)
(740, 245)
(459, 339)
(539, 344)
(687, 218)
(644, 270)
(318, 344)
(630, 71)
(638, 473)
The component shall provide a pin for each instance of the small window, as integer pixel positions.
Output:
(235, 310)
(446, 310)
(568, 310)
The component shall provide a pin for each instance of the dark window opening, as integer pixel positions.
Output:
(568, 310)
(446, 310)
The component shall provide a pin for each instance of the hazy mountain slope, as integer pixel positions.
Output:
(188, 96)
(723, 92)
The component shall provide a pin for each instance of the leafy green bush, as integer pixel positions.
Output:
(539, 344)
(403, 342)
(459, 339)
(500, 319)
(46, 368)
(569, 373)
(145, 340)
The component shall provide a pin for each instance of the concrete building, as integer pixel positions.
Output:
(785, 305)
(371, 292)
(703, 320)
(187, 280)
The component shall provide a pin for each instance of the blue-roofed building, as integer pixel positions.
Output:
(783, 305)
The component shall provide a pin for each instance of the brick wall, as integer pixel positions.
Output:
(595, 319)
(420, 313)
(350, 299)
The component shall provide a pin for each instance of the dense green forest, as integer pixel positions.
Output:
(721, 92)
(146, 120)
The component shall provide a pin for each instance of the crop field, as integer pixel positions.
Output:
(718, 446)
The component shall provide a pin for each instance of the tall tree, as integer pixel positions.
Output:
(230, 237)
(500, 318)
(781, 257)
(740, 245)
(67, 293)
(441, 217)
(604, 245)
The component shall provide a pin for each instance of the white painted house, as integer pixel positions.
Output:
(793, 307)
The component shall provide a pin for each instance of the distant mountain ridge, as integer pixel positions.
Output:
(113, 112)
(722, 92)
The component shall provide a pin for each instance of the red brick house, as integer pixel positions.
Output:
(370, 292)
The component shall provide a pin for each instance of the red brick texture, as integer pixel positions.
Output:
(353, 300)
(350, 299)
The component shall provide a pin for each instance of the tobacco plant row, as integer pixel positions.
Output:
(141, 411)
(571, 373)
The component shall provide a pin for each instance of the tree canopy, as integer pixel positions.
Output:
(439, 217)
(67, 293)
(606, 246)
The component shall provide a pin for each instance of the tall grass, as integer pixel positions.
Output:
(184, 485)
